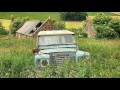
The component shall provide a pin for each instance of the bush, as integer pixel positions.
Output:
(115, 24)
(59, 25)
(17, 24)
(106, 27)
(73, 16)
(78, 32)
(105, 32)
(2, 30)
(100, 18)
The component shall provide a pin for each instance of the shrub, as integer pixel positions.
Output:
(18, 22)
(78, 32)
(73, 16)
(58, 25)
(106, 27)
(105, 32)
(100, 18)
(115, 24)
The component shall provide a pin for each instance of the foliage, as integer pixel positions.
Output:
(59, 25)
(17, 60)
(73, 16)
(78, 32)
(105, 26)
(18, 22)
(43, 15)
(101, 18)
(105, 32)
(16, 56)
(106, 13)
(115, 24)
(2, 30)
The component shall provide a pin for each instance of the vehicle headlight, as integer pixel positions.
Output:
(87, 55)
(44, 62)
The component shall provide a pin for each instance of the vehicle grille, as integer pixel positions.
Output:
(59, 58)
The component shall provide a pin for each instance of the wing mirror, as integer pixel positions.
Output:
(35, 50)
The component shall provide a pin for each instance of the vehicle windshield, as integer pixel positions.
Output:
(56, 39)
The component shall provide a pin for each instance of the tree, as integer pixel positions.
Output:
(101, 18)
(104, 31)
(105, 26)
(18, 23)
(78, 32)
(115, 24)
(58, 25)
(73, 16)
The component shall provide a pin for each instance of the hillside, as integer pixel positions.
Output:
(106, 13)
(116, 13)
(43, 15)
(32, 15)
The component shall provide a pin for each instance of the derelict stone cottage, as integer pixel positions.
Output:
(31, 28)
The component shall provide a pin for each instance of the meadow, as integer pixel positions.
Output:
(32, 15)
(5, 17)
(43, 15)
(73, 24)
(17, 60)
(106, 13)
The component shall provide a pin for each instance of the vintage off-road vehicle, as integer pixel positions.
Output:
(54, 47)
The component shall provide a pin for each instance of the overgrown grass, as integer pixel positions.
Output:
(17, 60)
(15, 56)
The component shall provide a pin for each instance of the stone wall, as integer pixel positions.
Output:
(19, 35)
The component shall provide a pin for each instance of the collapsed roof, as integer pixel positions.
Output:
(29, 27)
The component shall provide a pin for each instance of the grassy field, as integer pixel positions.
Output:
(106, 13)
(17, 60)
(116, 13)
(45, 15)
(32, 15)
(74, 24)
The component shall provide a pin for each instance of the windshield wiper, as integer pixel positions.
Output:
(68, 44)
(49, 44)
(60, 44)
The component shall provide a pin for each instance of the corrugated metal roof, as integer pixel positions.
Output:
(55, 32)
(28, 27)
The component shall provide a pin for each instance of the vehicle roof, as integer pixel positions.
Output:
(55, 32)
